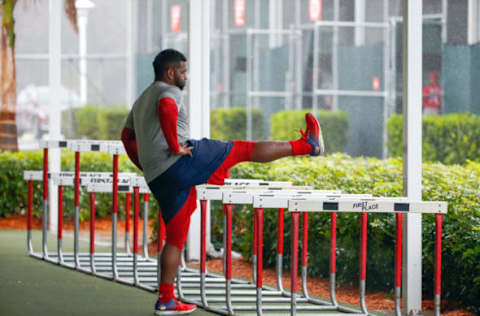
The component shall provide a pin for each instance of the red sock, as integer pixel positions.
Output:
(165, 292)
(300, 147)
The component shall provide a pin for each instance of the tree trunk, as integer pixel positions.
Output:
(8, 83)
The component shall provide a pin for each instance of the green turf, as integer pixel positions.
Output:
(29, 286)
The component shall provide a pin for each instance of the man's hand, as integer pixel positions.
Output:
(184, 150)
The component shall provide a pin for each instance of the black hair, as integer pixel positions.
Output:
(165, 59)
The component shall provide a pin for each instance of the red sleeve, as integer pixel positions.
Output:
(167, 112)
(130, 143)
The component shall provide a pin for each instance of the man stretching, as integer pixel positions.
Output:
(156, 138)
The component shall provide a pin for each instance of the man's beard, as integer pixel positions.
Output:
(179, 83)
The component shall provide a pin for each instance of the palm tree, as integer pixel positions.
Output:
(8, 81)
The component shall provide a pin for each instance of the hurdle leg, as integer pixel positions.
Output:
(228, 257)
(145, 225)
(92, 232)
(114, 217)
(304, 254)
(179, 281)
(259, 215)
(363, 262)
(280, 250)
(203, 251)
(29, 217)
(136, 206)
(45, 204)
(254, 249)
(127, 222)
(398, 264)
(294, 264)
(224, 240)
(159, 248)
(333, 256)
(438, 263)
(60, 225)
(76, 211)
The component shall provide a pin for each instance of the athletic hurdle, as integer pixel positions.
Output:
(233, 290)
(243, 184)
(98, 182)
(280, 200)
(63, 179)
(77, 146)
(274, 199)
(397, 206)
(45, 145)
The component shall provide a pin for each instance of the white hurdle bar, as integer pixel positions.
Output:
(364, 206)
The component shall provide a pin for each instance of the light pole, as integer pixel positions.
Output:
(82, 13)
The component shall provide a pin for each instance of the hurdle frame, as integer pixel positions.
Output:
(374, 205)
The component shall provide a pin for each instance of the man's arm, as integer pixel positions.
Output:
(167, 112)
(130, 143)
(425, 93)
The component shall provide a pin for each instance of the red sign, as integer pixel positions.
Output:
(176, 18)
(239, 12)
(315, 10)
(376, 84)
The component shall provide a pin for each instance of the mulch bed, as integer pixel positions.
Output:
(241, 268)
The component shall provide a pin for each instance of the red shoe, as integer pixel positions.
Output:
(173, 307)
(313, 135)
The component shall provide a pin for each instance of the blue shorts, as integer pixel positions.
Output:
(172, 188)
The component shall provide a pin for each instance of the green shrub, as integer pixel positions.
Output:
(94, 122)
(231, 124)
(13, 196)
(111, 122)
(13, 189)
(285, 126)
(86, 122)
(458, 185)
(450, 139)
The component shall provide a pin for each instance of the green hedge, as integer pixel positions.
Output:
(111, 122)
(285, 126)
(94, 122)
(450, 139)
(13, 189)
(231, 124)
(458, 185)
